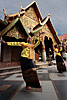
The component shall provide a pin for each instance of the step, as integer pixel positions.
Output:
(44, 64)
(41, 63)
(8, 73)
(12, 68)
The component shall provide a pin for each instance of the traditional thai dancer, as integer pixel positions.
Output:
(59, 60)
(28, 69)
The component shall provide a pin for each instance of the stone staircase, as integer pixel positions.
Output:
(17, 69)
(10, 70)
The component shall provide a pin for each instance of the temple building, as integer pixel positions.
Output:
(18, 26)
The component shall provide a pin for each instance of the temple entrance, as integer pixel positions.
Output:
(48, 47)
(38, 51)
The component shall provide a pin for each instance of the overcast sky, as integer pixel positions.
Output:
(57, 9)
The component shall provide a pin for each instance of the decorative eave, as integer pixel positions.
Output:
(47, 21)
(11, 25)
(40, 25)
(51, 27)
(11, 17)
(42, 22)
(23, 10)
(36, 30)
(16, 14)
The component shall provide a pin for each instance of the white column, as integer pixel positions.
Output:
(34, 56)
(44, 55)
(54, 55)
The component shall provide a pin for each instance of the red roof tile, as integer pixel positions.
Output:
(64, 36)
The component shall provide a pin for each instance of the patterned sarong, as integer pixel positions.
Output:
(30, 75)
(31, 78)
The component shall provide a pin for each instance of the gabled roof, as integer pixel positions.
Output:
(23, 10)
(40, 25)
(34, 5)
(47, 21)
(11, 25)
(51, 27)
(64, 36)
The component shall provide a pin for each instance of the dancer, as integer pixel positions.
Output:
(28, 69)
(59, 60)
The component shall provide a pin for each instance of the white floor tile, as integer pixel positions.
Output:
(15, 77)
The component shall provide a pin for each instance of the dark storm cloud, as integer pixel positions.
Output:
(57, 8)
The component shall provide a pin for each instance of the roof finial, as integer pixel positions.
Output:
(21, 6)
(49, 13)
(39, 20)
(4, 12)
(35, 0)
(19, 14)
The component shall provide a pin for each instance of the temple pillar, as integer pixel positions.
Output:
(54, 52)
(43, 51)
(44, 55)
(34, 56)
(54, 55)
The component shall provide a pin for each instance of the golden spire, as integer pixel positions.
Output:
(4, 12)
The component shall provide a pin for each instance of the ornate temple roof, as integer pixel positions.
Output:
(11, 25)
(47, 21)
(13, 18)
(23, 10)
(63, 37)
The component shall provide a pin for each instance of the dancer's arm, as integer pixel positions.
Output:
(17, 43)
(3, 41)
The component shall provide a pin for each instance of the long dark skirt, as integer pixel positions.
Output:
(29, 73)
(60, 64)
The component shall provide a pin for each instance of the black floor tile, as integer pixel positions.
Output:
(5, 95)
(62, 89)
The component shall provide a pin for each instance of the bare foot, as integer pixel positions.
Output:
(28, 87)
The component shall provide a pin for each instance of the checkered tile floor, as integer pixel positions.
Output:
(54, 86)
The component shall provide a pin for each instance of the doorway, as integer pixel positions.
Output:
(48, 46)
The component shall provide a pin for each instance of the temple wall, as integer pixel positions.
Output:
(6, 53)
(28, 22)
(11, 56)
(30, 19)
(48, 33)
